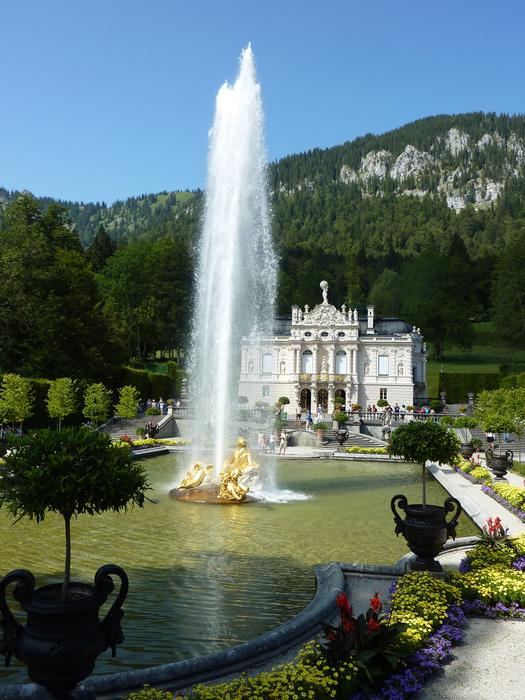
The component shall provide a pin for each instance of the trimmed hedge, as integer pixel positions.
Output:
(149, 384)
(457, 385)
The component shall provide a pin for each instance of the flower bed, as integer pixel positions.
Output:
(490, 491)
(367, 450)
(153, 442)
(427, 616)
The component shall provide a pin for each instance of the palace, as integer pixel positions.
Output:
(319, 354)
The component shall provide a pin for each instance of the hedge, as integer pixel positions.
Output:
(150, 385)
(457, 385)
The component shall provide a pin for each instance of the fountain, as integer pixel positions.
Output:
(235, 282)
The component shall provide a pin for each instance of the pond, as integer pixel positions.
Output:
(206, 577)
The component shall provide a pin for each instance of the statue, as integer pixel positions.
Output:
(324, 365)
(324, 287)
(238, 474)
(196, 476)
(237, 470)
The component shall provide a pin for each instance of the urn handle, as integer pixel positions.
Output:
(9, 627)
(400, 501)
(509, 454)
(111, 623)
(450, 505)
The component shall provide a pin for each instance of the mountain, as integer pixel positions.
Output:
(465, 158)
(129, 218)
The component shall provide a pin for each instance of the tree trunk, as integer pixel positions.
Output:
(67, 568)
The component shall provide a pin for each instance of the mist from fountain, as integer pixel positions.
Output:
(237, 267)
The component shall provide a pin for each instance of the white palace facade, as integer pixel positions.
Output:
(325, 352)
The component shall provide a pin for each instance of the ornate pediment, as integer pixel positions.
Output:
(324, 315)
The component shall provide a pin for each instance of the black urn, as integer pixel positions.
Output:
(499, 464)
(425, 529)
(62, 638)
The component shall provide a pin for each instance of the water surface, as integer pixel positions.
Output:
(206, 577)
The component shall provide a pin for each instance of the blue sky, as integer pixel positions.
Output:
(105, 99)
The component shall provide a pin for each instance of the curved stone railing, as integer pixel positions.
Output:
(185, 673)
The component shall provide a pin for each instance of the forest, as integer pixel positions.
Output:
(80, 294)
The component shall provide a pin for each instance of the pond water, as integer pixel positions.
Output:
(206, 577)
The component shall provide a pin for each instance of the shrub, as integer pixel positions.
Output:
(382, 403)
(481, 473)
(457, 385)
(152, 411)
(74, 471)
(492, 584)
(513, 494)
(283, 400)
(367, 450)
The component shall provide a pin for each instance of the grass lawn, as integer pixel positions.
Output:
(485, 355)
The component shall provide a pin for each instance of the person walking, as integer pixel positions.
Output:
(283, 443)
(309, 420)
(271, 443)
(490, 439)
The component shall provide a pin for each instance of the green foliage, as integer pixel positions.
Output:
(97, 403)
(419, 441)
(321, 426)
(74, 471)
(283, 400)
(485, 554)
(367, 450)
(465, 422)
(147, 287)
(501, 410)
(127, 403)
(458, 385)
(341, 417)
(152, 411)
(382, 403)
(16, 398)
(100, 249)
(61, 399)
(50, 311)
(509, 287)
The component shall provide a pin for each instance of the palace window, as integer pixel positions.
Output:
(383, 394)
(265, 391)
(382, 365)
(267, 363)
(340, 362)
(307, 364)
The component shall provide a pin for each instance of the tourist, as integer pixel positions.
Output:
(162, 406)
(283, 443)
(403, 411)
(475, 458)
(374, 408)
(298, 415)
(271, 443)
(319, 413)
(260, 442)
(506, 436)
(490, 439)
(309, 420)
(149, 403)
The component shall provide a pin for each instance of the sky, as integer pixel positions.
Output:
(105, 99)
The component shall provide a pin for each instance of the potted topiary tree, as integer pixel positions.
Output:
(500, 411)
(425, 527)
(340, 417)
(74, 471)
(463, 424)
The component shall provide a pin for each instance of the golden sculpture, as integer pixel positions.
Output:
(237, 470)
(196, 475)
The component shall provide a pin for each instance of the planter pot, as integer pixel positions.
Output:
(466, 450)
(62, 639)
(425, 529)
(499, 464)
(341, 435)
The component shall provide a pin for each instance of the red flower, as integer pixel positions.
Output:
(375, 603)
(347, 625)
(343, 604)
(373, 625)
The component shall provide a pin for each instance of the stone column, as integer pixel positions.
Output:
(331, 359)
